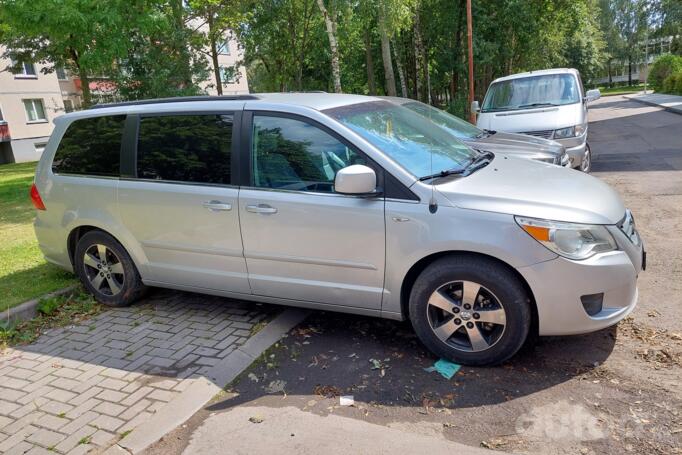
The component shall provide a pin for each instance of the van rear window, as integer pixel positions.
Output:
(91, 146)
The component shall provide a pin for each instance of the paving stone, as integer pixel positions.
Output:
(110, 409)
(61, 395)
(161, 395)
(82, 408)
(112, 395)
(102, 438)
(21, 448)
(64, 383)
(56, 408)
(137, 396)
(51, 422)
(78, 423)
(6, 407)
(24, 422)
(75, 438)
(45, 438)
(36, 450)
(113, 384)
(108, 423)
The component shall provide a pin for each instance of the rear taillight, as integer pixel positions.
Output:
(35, 198)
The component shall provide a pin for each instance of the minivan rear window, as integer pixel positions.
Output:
(91, 146)
(185, 148)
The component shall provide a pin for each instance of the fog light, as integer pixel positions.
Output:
(592, 303)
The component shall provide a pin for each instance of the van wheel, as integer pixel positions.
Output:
(470, 310)
(586, 161)
(106, 270)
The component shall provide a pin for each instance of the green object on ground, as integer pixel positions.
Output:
(446, 368)
(24, 273)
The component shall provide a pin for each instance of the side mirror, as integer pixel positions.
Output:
(475, 107)
(592, 95)
(356, 179)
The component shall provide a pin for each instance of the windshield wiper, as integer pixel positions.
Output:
(445, 173)
(480, 161)
(537, 105)
(485, 133)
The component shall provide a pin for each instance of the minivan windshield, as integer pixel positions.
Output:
(531, 92)
(418, 144)
(460, 128)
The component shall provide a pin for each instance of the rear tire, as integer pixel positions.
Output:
(470, 310)
(106, 270)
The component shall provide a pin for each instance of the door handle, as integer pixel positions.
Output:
(261, 208)
(217, 206)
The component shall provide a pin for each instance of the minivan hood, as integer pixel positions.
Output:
(517, 144)
(534, 189)
(521, 120)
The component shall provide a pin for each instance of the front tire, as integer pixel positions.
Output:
(106, 270)
(470, 310)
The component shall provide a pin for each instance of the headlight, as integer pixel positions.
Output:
(570, 240)
(564, 133)
(571, 131)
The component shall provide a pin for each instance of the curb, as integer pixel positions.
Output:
(674, 110)
(203, 389)
(29, 309)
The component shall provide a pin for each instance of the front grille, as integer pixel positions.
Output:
(545, 134)
(629, 229)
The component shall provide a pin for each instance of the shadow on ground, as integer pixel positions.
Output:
(332, 355)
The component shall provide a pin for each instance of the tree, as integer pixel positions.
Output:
(614, 46)
(330, 24)
(631, 20)
(214, 19)
(84, 36)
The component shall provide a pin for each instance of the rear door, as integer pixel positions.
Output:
(178, 199)
(302, 240)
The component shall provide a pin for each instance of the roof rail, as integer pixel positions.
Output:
(177, 99)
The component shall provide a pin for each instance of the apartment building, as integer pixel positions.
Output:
(232, 73)
(29, 102)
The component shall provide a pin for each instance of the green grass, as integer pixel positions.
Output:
(24, 274)
(622, 90)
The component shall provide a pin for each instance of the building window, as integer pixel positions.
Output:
(61, 74)
(68, 106)
(228, 74)
(25, 69)
(35, 111)
(224, 47)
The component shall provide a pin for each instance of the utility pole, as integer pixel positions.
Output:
(470, 39)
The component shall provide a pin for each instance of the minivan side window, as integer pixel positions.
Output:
(290, 154)
(91, 146)
(185, 148)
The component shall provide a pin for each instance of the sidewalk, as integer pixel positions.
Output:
(85, 386)
(671, 103)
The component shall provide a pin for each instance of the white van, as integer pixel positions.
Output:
(551, 104)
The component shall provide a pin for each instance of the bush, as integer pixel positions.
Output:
(673, 84)
(664, 66)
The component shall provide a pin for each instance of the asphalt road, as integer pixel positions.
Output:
(614, 391)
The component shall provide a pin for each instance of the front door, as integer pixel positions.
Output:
(303, 241)
(181, 206)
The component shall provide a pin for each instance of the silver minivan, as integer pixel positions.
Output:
(551, 104)
(337, 202)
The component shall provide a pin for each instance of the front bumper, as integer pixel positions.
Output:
(558, 285)
(575, 149)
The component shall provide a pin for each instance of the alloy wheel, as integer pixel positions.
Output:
(586, 162)
(466, 316)
(103, 269)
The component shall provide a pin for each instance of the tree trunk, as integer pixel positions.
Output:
(85, 81)
(608, 66)
(629, 71)
(401, 72)
(389, 76)
(369, 64)
(331, 34)
(423, 58)
(214, 55)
